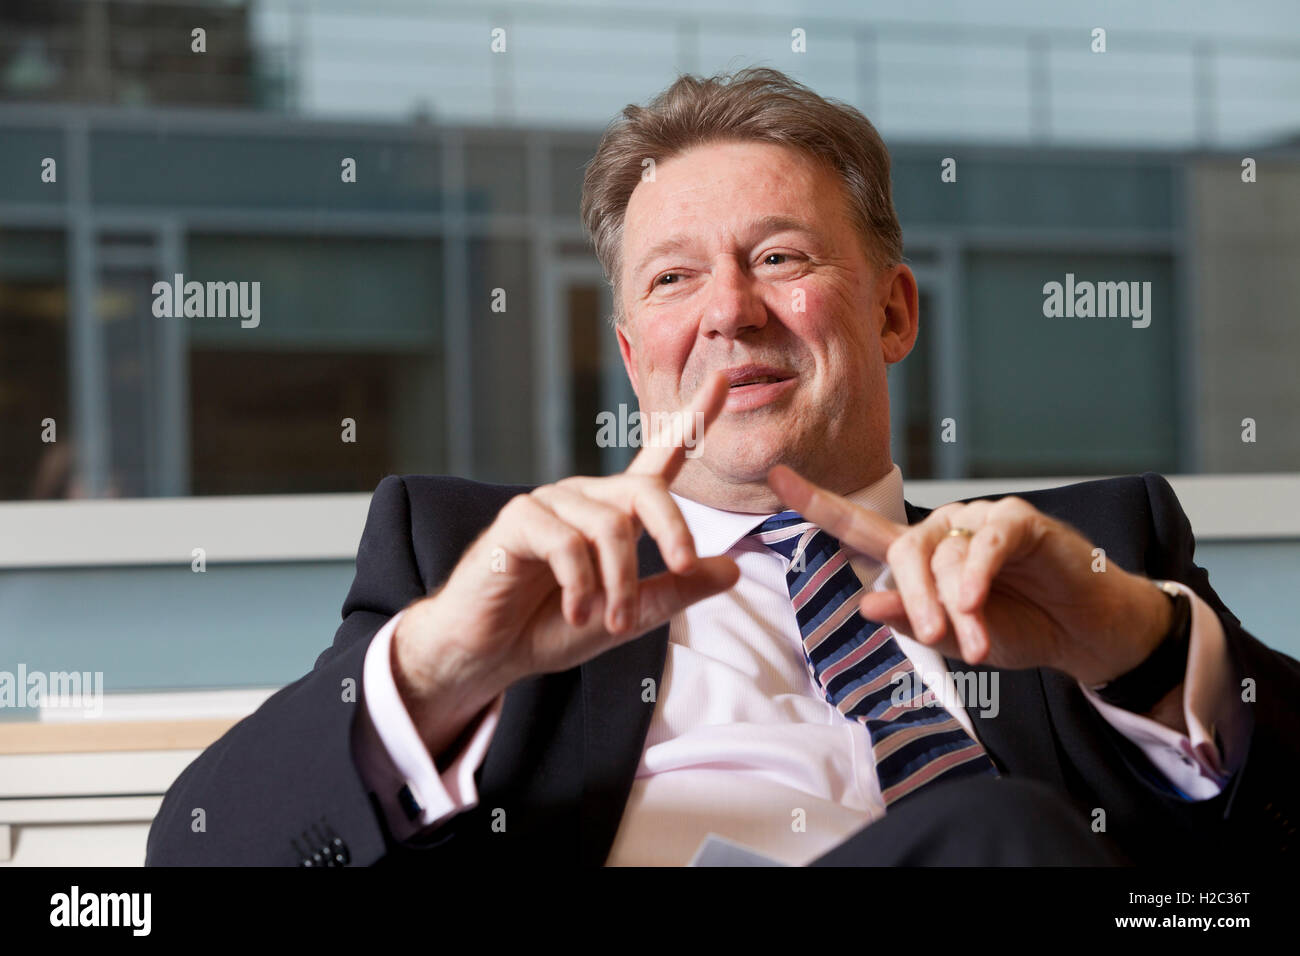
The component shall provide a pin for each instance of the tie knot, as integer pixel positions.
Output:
(788, 533)
(781, 522)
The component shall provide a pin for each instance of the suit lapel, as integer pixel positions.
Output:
(616, 720)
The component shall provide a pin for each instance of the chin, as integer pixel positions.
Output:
(746, 454)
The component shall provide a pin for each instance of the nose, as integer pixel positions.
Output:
(733, 305)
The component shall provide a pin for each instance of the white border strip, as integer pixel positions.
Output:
(165, 705)
(109, 773)
(164, 531)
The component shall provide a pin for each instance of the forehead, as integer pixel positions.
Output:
(717, 185)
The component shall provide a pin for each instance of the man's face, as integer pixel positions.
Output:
(741, 257)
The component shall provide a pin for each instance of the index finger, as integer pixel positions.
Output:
(859, 528)
(662, 453)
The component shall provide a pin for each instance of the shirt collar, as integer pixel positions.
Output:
(716, 531)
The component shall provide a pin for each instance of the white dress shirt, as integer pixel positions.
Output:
(743, 744)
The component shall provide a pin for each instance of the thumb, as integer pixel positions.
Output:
(662, 596)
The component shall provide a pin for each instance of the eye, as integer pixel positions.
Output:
(785, 261)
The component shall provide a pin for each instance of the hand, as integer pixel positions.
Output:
(1020, 593)
(553, 582)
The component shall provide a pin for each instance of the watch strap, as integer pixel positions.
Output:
(1144, 686)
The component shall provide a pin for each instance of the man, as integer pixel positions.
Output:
(791, 656)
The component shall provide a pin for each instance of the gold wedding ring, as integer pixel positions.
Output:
(963, 532)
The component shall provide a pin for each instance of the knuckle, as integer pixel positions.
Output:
(901, 549)
(535, 497)
(518, 506)
(616, 526)
(571, 545)
(1011, 504)
(584, 580)
(944, 559)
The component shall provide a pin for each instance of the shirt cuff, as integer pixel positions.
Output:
(391, 755)
(1200, 762)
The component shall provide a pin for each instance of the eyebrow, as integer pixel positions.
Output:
(765, 225)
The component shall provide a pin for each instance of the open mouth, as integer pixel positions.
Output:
(749, 376)
(756, 386)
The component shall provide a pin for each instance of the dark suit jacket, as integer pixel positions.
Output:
(282, 782)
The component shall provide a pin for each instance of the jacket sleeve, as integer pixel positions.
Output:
(1261, 806)
(281, 786)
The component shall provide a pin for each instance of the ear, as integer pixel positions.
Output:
(900, 311)
(629, 358)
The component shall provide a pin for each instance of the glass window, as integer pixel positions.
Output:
(503, 356)
(1067, 395)
(339, 383)
(34, 367)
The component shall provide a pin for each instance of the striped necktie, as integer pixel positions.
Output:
(863, 671)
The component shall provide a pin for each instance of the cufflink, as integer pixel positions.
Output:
(410, 806)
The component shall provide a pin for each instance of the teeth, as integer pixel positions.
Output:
(757, 381)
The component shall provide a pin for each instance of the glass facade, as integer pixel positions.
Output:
(466, 243)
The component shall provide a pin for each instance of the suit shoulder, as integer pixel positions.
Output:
(407, 504)
(450, 489)
(1099, 505)
(430, 519)
(1130, 490)
(454, 508)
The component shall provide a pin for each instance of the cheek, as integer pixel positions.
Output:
(818, 323)
(661, 361)
(831, 326)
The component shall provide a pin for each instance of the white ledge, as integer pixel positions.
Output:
(165, 531)
(272, 528)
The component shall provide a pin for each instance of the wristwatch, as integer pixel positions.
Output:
(1144, 686)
